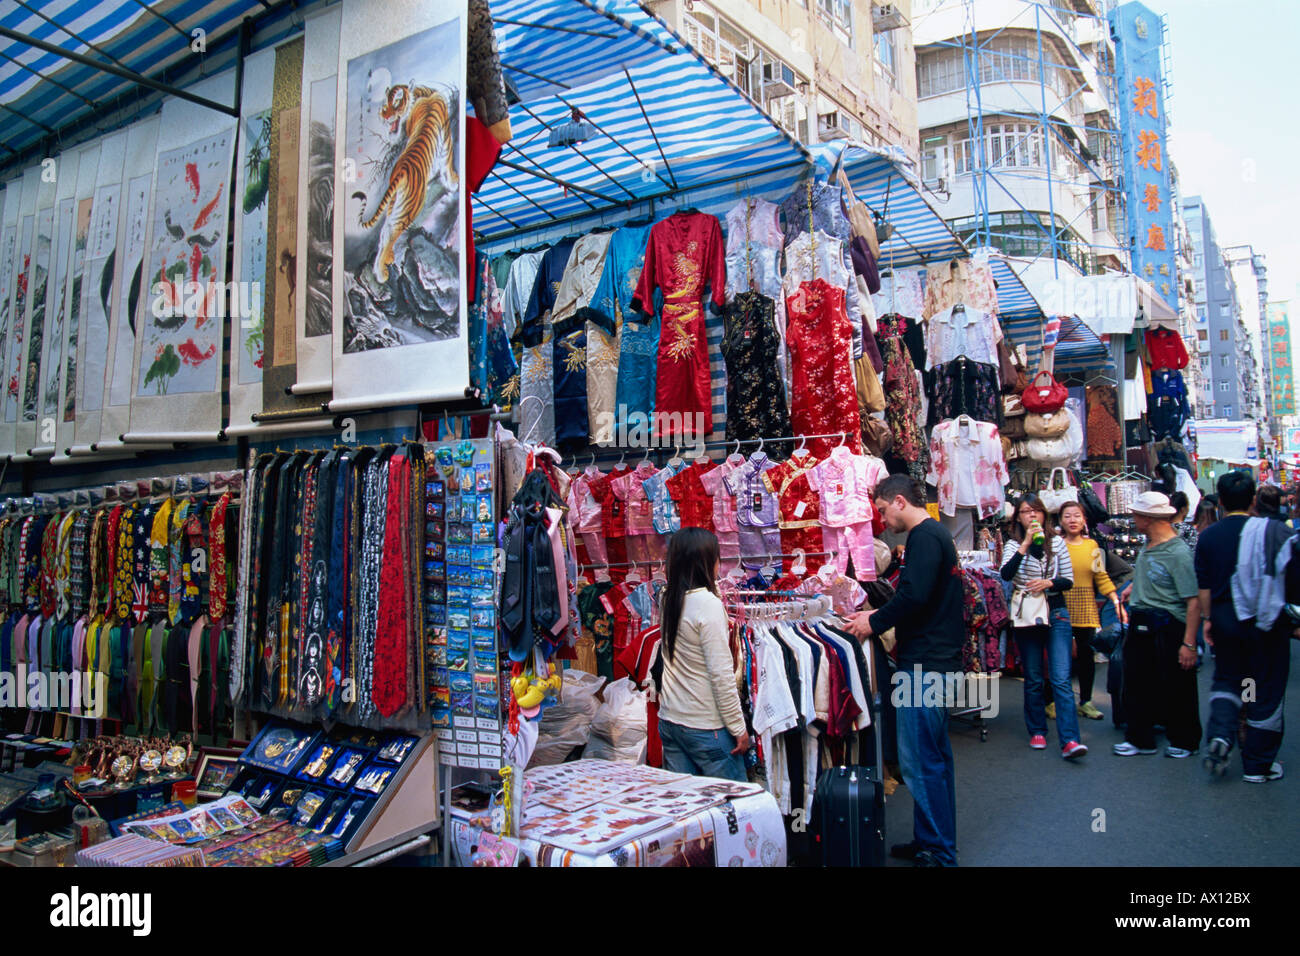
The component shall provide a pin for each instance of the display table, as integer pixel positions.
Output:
(600, 813)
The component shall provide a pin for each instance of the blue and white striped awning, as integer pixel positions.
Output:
(1078, 349)
(665, 121)
(42, 92)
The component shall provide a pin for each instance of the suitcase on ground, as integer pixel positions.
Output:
(848, 818)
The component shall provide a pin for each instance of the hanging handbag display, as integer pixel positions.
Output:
(1094, 512)
(1053, 497)
(1044, 394)
(1029, 609)
(1049, 425)
(876, 436)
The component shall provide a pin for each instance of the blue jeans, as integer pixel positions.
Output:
(925, 758)
(1057, 640)
(701, 753)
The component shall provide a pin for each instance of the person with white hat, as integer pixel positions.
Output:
(1160, 652)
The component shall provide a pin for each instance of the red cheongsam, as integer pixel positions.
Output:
(824, 398)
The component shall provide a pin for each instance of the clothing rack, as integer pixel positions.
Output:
(718, 443)
(641, 564)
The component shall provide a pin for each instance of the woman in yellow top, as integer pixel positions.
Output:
(1090, 580)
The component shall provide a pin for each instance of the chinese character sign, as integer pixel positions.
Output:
(1139, 34)
(1282, 370)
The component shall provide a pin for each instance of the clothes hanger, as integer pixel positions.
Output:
(674, 461)
(799, 567)
(736, 458)
(633, 576)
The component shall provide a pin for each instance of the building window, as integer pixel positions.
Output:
(838, 15)
(1003, 59)
(1227, 411)
(1223, 335)
(885, 61)
(1223, 360)
(934, 159)
(1223, 386)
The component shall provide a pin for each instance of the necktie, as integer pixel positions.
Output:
(316, 572)
(243, 591)
(337, 590)
(217, 558)
(175, 558)
(391, 645)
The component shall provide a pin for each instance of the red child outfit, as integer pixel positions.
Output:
(694, 503)
(626, 621)
(824, 393)
(799, 506)
(611, 517)
(683, 254)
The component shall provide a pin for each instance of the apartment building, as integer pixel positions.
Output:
(1020, 146)
(823, 69)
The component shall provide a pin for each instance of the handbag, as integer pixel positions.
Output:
(1044, 396)
(1054, 498)
(876, 436)
(1029, 609)
(1012, 406)
(1049, 425)
(1014, 428)
(1094, 512)
(871, 397)
(1049, 452)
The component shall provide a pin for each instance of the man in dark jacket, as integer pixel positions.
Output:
(926, 615)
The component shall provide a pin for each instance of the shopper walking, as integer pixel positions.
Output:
(926, 615)
(1160, 651)
(1090, 582)
(1242, 584)
(1038, 565)
(701, 723)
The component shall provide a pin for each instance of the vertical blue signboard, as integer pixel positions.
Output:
(1139, 34)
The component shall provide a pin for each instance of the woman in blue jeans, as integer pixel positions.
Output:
(1037, 562)
(701, 724)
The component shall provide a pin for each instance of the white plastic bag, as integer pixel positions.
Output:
(618, 731)
(567, 724)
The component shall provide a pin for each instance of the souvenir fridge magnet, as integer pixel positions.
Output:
(307, 806)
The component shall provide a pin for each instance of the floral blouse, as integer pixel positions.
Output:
(962, 331)
(900, 293)
(967, 466)
(964, 388)
(969, 282)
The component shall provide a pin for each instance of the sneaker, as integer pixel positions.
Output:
(1073, 749)
(1051, 711)
(1127, 749)
(1216, 759)
(905, 851)
(1089, 711)
(925, 858)
(1274, 773)
(1038, 742)
(1179, 752)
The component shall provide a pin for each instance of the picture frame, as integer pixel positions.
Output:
(214, 771)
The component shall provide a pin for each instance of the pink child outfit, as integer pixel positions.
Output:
(724, 512)
(644, 545)
(844, 482)
(585, 512)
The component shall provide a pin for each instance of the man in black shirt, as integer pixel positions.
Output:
(926, 615)
(1244, 656)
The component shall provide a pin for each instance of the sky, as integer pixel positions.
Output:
(1234, 133)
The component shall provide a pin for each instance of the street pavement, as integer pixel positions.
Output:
(1022, 807)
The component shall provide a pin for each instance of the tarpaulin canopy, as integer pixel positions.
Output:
(42, 91)
(662, 120)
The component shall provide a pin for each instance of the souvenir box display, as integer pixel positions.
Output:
(337, 784)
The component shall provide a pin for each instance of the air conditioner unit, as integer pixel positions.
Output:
(830, 126)
(886, 16)
(778, 79)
